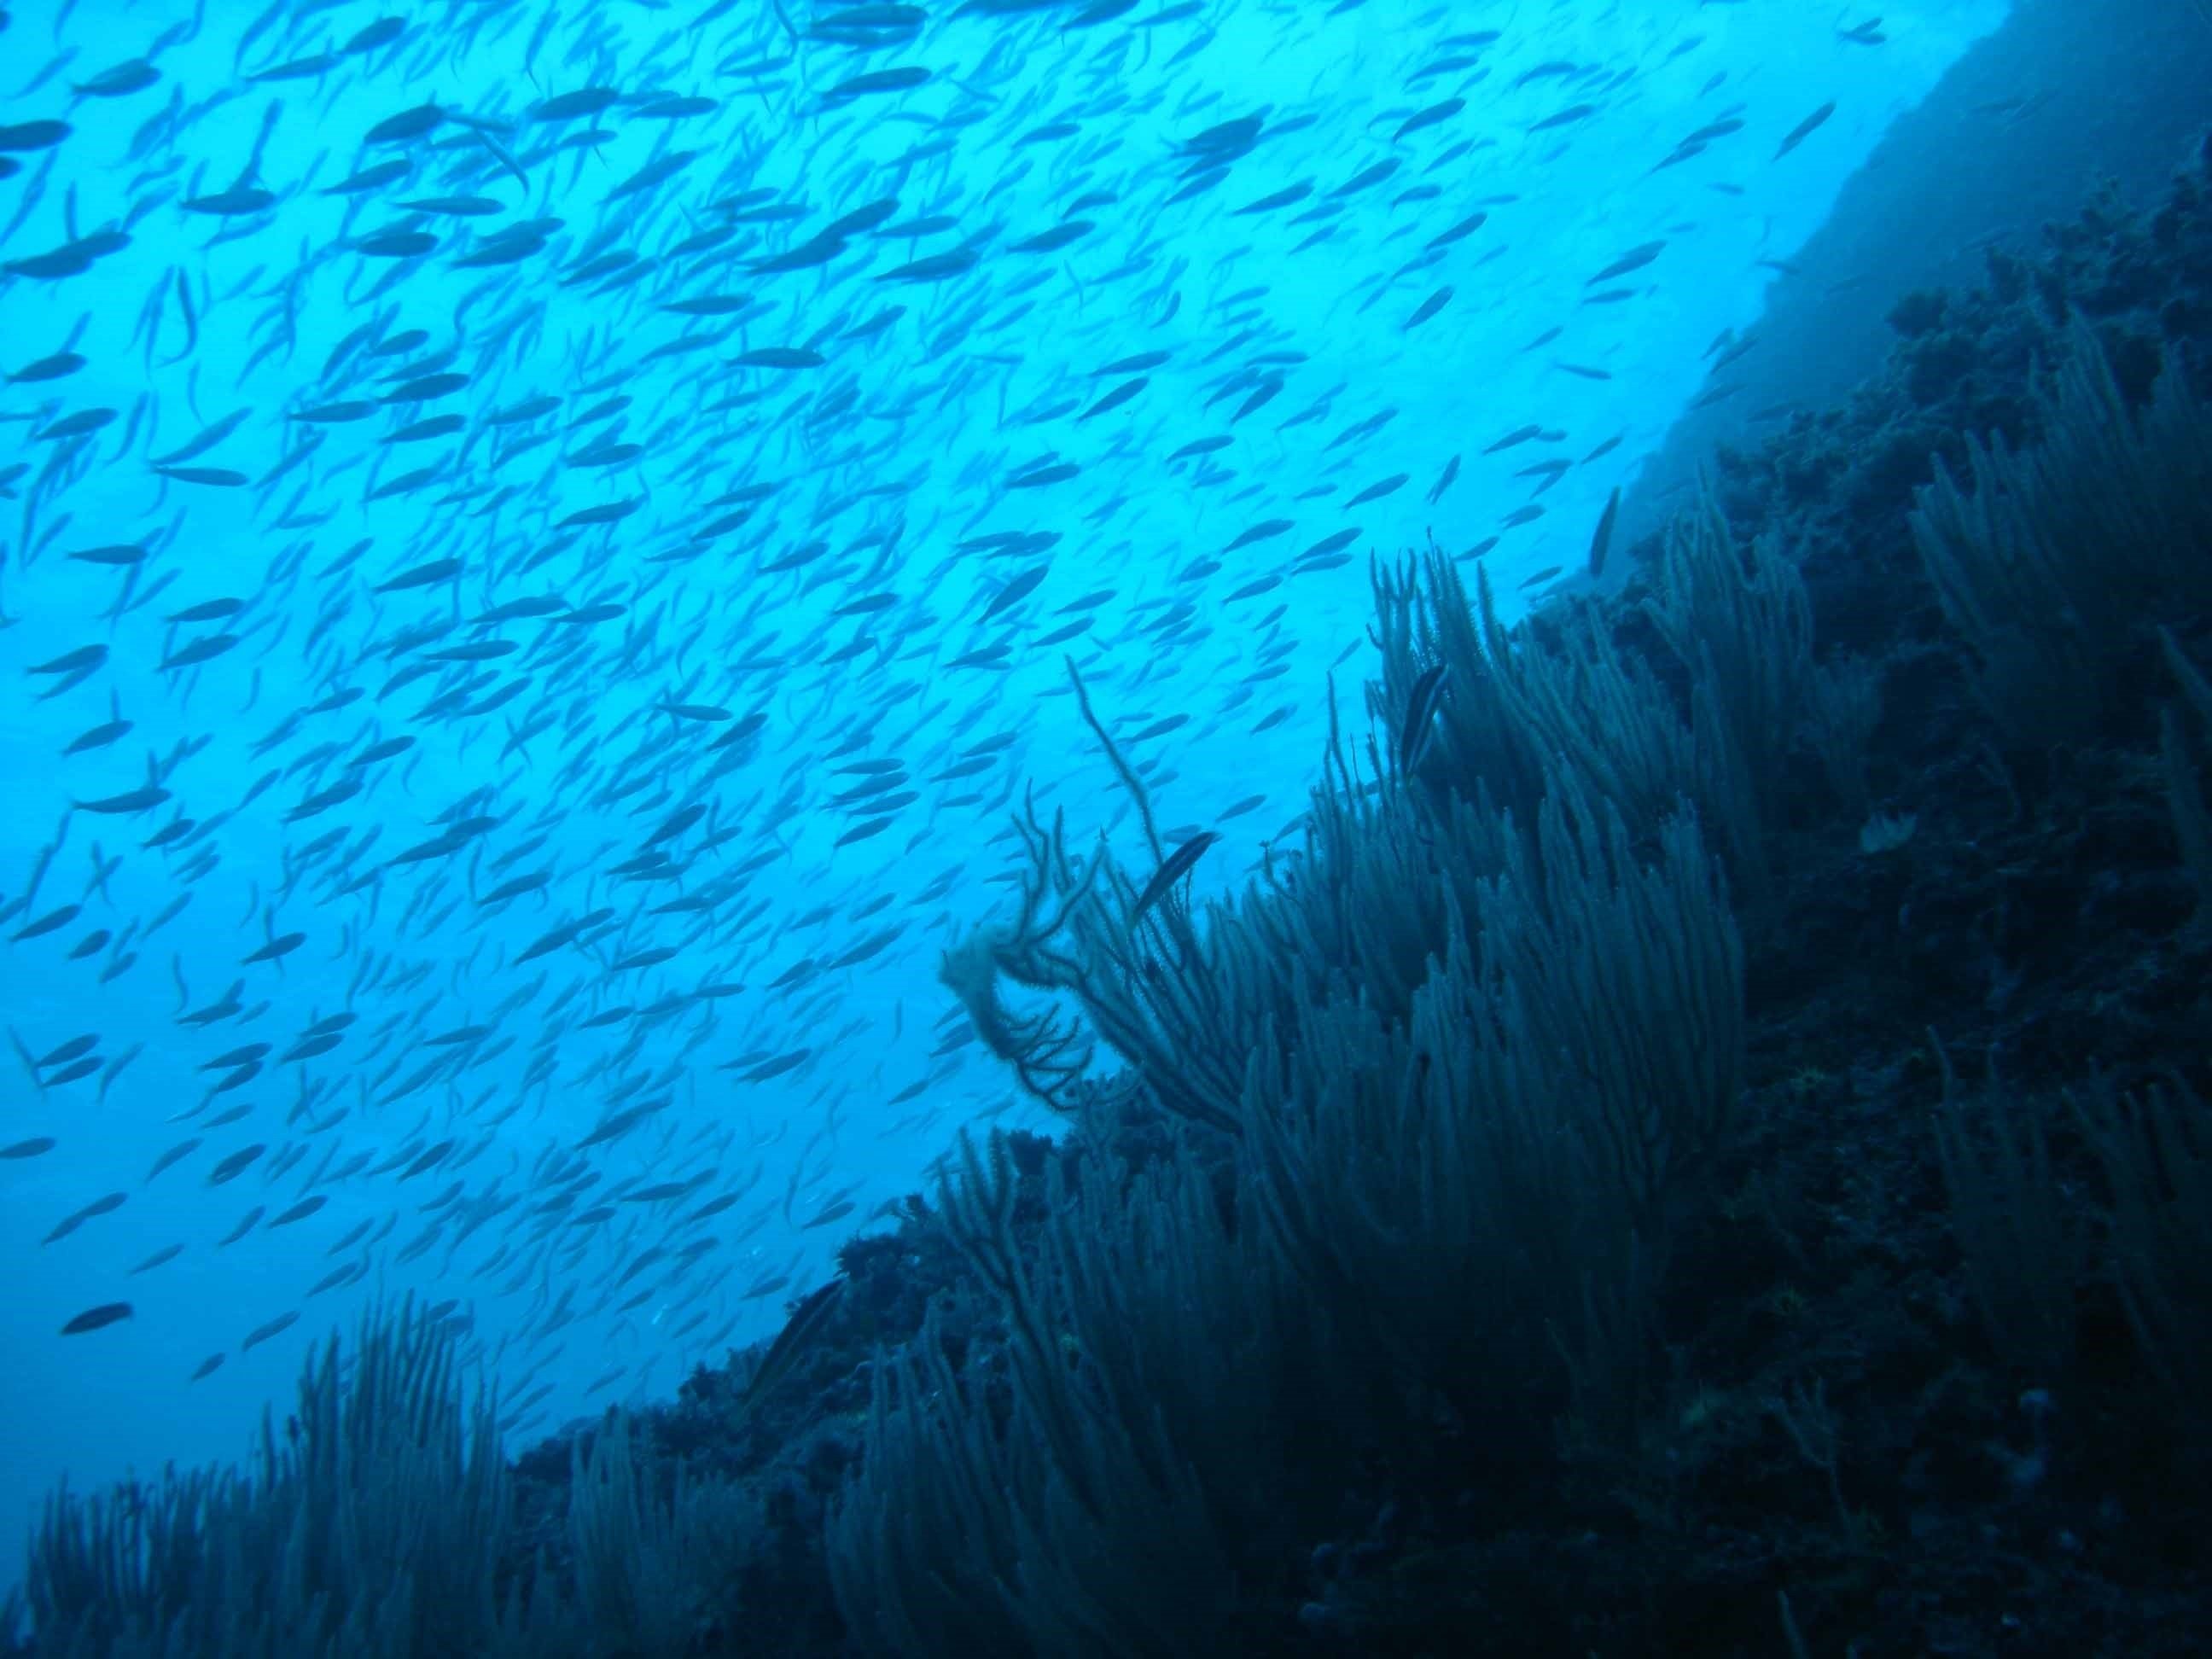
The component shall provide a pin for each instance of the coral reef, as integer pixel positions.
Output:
(1702, 1150)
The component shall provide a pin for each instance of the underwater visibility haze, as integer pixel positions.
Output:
(640, 638)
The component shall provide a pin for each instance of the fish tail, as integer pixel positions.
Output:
(30, 1064)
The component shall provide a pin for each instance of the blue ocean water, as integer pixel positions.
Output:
(541, 543)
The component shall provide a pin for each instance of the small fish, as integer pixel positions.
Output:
(1459, 232)
(1377, 490)
(1805, 129)
(406, 126)
(1429, 306)
(297, 69)
(134, 74)
(300, 1211)
(54, 366)
(778, 357)
(182, 1150)
(873, 82)
(260, 1333)
(166, 1254)
(107, 1313)
(1173, 869)
(33, 135)
(75, 1049)
(134, 800)
(1432, 116)
(238, 204)
(1115, 398)
(235, 1164)
(370, 177)
(52, 922)
(205, 647)
(1635, 260)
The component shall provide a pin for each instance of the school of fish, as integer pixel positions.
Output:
(538, 542)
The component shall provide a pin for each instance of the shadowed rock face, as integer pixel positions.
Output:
(2026, 128)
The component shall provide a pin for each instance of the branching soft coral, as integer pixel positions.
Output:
(1050, 1051)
